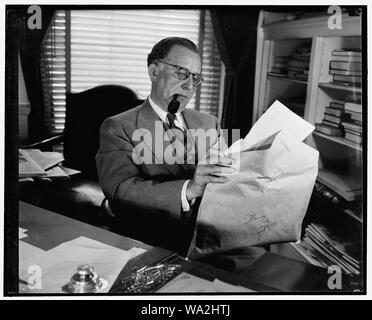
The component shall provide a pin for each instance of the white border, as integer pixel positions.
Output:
(178, 297)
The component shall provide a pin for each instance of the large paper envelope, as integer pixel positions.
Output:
(264, 203)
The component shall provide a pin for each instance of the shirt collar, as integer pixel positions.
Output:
(163, 114)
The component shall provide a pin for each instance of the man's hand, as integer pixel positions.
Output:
(208, 173)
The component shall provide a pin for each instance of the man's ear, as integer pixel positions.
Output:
(153, 71)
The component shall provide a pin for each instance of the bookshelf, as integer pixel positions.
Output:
(340, 158)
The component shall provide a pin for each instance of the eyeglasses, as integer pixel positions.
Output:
(183, 74)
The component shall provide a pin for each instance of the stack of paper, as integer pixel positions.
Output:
(318, 249)
(34, 163)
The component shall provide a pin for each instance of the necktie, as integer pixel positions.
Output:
(171, 117)
(180, 134)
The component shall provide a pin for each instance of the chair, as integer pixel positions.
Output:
(81, 196)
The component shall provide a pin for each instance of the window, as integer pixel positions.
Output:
(86, 48)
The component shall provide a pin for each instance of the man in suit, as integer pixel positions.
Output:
(161, 191)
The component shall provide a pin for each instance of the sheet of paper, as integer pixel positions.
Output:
(185, 282)
(56, 172)
(278, 118)
(22, 233)
(47, 159)
(136, 251)
(70, 171)
(59, 264)
(221, 286)
(27, 251)
(188, 283)
(27, 166)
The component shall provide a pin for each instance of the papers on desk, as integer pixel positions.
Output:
(188, 283)
(34, 163)
(59, 264)
(27, 251)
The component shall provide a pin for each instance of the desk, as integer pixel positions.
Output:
(270, 273)
(47, 230)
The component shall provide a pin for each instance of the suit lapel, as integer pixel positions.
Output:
(191, 120)
(149, 120)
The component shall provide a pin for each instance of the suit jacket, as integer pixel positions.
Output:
(152, 188)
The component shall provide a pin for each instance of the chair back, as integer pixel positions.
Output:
(85, 112)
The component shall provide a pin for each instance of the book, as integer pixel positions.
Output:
(277, 75)
(353, 107)
(298, 69)
(281, 59)
(348, 53)
(329, 130)
(300, 56)
(351, 126)
(354, 115)
(278, 70)
(298, 64)
(349, 66)
(351, 79)
(334, 112)
(301, 76)
(333, 119)
(337, 105)
(345, 72)
(345, 84)
(353, 132)
(28, 167)
(281, 65)
(353, 137)
(347, 58)
(330, 123)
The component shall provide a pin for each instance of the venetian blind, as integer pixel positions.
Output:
(111, 47)
(211, 70)
(53, 69)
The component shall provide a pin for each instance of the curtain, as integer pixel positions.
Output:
(236, 31)
(30, 61)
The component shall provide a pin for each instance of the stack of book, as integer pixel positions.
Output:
(298, 64)
(334, 115)
(280, 67)
(33, 163)
(346, 67)
(295, 66)
(319, 249)
(353, 127)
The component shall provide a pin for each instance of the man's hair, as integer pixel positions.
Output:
(162, 48)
